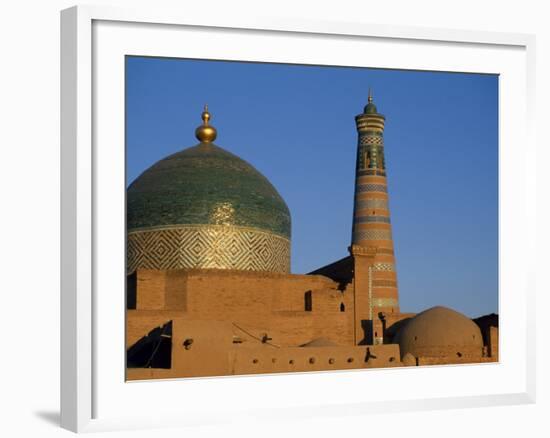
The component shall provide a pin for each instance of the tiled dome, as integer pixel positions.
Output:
(206, 184)
(204, 207)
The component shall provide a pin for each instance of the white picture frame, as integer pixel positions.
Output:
(93, 391)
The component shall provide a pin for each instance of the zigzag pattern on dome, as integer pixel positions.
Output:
(207, 246)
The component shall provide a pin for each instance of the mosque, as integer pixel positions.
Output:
(209, 288)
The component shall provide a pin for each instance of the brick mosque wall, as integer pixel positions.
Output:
(258, 303)
(255, 322)
(213, 352)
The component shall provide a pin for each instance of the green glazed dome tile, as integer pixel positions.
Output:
(205, 184)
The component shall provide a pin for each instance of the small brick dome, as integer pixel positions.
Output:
(438, 328)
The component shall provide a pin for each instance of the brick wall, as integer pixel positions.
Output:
(213, 352)
(261, 303)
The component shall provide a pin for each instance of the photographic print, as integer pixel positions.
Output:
(293, 218)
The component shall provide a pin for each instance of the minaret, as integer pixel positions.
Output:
(375, 280)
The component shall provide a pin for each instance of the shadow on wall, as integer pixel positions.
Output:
(484, 323)
(368, 334)
(391, 332)
(340, 271)
(154, 350)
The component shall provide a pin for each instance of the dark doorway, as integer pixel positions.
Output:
(131, 290)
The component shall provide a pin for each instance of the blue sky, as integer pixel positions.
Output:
(296, 125)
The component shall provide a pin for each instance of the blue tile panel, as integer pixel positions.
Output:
(363, 204)
(360, 235)
(369, 219)
(370, 152)
(371, 188)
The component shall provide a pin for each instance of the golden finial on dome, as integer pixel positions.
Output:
(206, 133)
(370, 95)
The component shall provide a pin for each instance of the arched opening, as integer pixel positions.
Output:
(342, 307)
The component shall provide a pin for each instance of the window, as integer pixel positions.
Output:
(308, 305)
